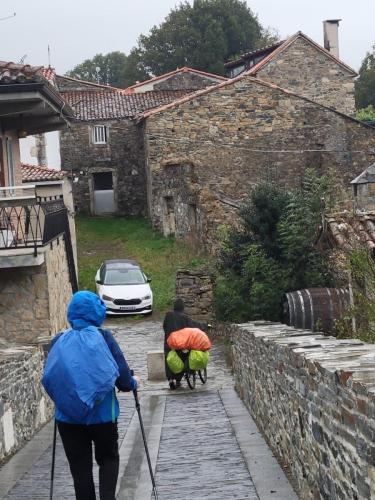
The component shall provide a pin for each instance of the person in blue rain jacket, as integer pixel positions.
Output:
(87, 309)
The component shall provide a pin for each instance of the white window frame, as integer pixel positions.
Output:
(99, 134)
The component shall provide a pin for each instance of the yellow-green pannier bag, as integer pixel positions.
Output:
(175, 363)
(198, 360)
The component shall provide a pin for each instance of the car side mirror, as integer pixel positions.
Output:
(149, 280)
(98, 282)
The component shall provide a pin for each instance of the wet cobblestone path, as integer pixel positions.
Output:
(199, 456)
(194, 445)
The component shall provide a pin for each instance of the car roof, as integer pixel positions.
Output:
(118, 263)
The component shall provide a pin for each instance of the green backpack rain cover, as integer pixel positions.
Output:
(198, 360)
(175, 363)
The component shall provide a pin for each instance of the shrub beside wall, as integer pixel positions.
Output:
(313, 398)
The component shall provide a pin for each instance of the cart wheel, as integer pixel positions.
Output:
(191, 378)
(203, 375)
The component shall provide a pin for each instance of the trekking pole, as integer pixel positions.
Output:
(53, 461)
(138, 407)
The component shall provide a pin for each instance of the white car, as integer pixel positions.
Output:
(123, 287)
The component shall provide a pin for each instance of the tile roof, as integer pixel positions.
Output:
(11, 73)
(185, 69)
(49, 74)
(17, 74)
(346, 230)
(253, 71)
(108, 105)
(35, 173)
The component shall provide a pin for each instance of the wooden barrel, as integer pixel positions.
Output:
(315, 308)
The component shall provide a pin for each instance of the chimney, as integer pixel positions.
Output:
(331, 36)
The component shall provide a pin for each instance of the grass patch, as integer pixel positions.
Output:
(99, 239)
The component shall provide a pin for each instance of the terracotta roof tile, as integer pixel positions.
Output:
(107, 105)
(49, 74)
(11, 73)
(35, 173)
(346, 230)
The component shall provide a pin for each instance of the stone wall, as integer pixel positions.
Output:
(122, 155)
(65, 84)
(24, 406)
(195, 288)
(186, 80)
(33, 299)
(204, 155)
(58, 286)
(308, 71)
(312, 397)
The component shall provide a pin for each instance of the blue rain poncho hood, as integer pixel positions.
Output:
(86, 309)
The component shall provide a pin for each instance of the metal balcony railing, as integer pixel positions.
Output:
(13, 193)
(32, 225)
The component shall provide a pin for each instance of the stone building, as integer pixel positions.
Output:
(301, 65)
(37, 236)
(364, 189)
(205, 151)
(190, 162)
(103, 150)
(37, 265)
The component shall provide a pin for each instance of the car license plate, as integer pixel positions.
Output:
(127, 308)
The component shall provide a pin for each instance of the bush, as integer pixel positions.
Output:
(228, 300)
(272, 253)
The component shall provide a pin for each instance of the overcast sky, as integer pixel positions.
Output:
(79, 29)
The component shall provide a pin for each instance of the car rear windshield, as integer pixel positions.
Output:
(124, 277)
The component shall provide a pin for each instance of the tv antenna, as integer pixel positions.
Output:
(8, 17)
(97, 71)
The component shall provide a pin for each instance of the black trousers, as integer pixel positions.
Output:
(77, 441)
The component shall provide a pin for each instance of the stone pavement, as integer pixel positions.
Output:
(203, 443)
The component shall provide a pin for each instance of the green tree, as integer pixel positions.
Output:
(133, 70)
(365, 84)
(105, 69)
(203, 35)
(273, 251)
(366, 114)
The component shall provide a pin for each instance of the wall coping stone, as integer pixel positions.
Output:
(313, 398)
